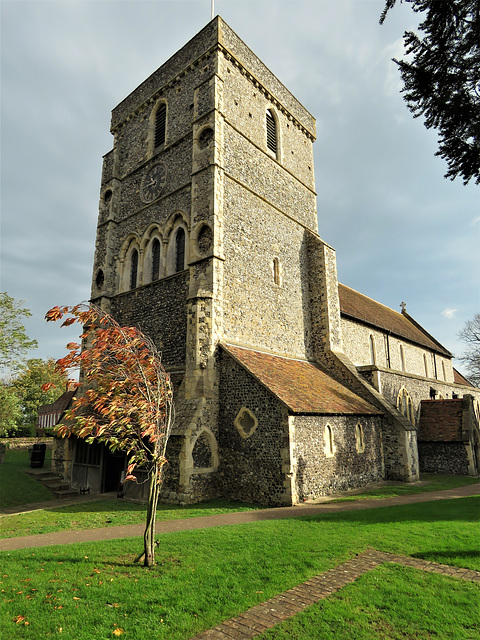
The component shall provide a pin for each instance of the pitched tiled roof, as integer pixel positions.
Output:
(364, 309)
(459, 379)
(60, 405)
(301, 385)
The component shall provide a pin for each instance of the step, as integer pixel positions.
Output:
(65, 493)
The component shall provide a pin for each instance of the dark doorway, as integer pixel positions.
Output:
(113, 465)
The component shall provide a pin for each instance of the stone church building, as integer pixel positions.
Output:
(288, 385)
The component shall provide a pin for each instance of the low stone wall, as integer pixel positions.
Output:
(449, 458)
(26, 443)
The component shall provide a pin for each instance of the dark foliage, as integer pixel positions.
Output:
(442, 79)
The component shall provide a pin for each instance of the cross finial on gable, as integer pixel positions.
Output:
(403, 306)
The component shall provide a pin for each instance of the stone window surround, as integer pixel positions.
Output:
(144, 246)
(330, 447)
(405, 405)
(241, 415)
(277, 154)
(359, 438)
(151, 149)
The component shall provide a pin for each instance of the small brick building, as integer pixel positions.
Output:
(288, 386)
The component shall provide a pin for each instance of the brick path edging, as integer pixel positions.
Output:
(285, 605)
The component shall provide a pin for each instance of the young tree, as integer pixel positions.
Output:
(125, 399)
(442, 80)
(14, 342)
(470, 334)
(29, 387)
(10, 410)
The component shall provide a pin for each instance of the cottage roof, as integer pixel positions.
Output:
(359, 307)
(60, 405)
(301, 385)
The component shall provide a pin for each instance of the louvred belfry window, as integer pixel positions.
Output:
(160, 125)
(271, 132)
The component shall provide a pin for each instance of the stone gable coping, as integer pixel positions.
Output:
(217, 36)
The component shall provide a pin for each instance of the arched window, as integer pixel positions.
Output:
(402, 358)
(373, 356)
(180, 250)
(405, 405)
(133, 269)
(155, 260)
(328, 436)
(360, 443)
(160, 124)
(271, 132)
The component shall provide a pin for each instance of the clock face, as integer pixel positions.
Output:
(153, 183)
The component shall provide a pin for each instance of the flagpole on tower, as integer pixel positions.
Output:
(213, 8)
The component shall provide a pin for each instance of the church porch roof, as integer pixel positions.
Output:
(301, 385)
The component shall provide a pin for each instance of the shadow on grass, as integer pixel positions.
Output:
(457, 509)
(109, 506)
(434, 555)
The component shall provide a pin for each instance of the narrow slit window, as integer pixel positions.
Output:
(328, 441)
(402, 358)
(271, 132)
(276, 271)
(180, 251)
(133, 269)
(155, 260)
(373, 358)
(359, 438)
(160, 125)
(425, 365)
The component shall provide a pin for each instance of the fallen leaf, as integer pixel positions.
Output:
(75, 598)
(118, 632)
(19, 619)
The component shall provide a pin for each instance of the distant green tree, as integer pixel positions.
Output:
(14, 342)
(10, 410)
(442, 79)
(27, 386)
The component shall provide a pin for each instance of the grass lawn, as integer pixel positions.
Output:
(106, 513)
(429, 482)
(92, 590)
(390, 602)
(16, 487)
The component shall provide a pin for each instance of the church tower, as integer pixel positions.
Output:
(207, 240)
(207, 204)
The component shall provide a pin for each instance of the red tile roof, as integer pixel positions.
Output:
(302, 386)
(459, 379)
(364, 309)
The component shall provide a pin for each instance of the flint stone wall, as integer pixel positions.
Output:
(250, 468)
(443, 457)
(320, 475)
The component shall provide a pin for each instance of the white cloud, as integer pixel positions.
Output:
(449, 313)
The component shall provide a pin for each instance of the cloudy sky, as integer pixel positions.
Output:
(401, 231)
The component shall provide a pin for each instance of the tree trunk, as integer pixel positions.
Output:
(149, 535)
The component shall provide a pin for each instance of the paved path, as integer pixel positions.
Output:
(287, 604)
(125, 531)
